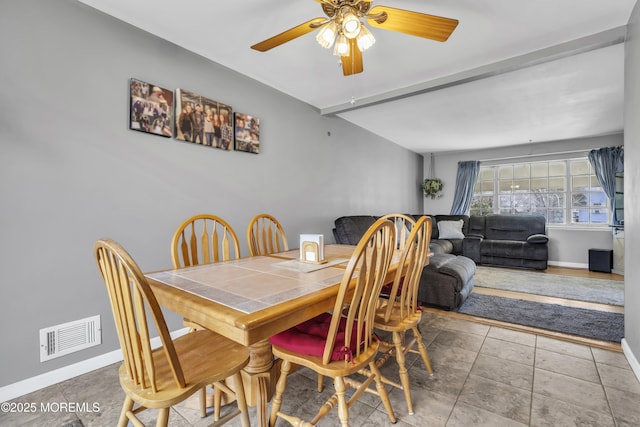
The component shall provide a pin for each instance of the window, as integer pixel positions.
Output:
(564, 191)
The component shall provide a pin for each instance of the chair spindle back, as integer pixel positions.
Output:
(364, 275)
(404, 290)
(203, 239)
(131, 297)
(266, 236)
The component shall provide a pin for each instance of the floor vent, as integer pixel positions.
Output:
(70, 337)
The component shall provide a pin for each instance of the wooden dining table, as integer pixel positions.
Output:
(251, 299)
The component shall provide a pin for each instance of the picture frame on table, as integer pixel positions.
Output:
(151, 108)
(247, 133)
(203, 121)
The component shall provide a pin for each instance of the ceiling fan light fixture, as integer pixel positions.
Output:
(345, 29)
(327, 34)
(350, 25)
(365, 39)
(341, 48)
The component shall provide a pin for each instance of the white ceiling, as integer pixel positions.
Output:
(512, 72)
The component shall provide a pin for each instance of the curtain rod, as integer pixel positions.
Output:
(584, 151)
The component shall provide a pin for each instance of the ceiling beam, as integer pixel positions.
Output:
(585, 44)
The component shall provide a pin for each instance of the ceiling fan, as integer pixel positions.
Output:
(344, 29)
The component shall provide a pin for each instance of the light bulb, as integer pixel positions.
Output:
(365, 39)
(341, 47)
(327, 34)
(350, 25)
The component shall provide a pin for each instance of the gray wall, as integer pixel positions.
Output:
(631, 184)
(566, 247)
(71, 172)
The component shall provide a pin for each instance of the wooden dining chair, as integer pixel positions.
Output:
(342, 343)
(266, 236)
(399, 311)
(404, 224)
(204, 239)
(161, 378)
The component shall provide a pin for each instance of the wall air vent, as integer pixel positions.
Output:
(70, 337)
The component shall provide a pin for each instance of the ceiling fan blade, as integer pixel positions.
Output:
(352, 64)
(412, 23)
(288, 35)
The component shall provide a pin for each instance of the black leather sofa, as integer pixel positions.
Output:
(501, 240)
(348, 230)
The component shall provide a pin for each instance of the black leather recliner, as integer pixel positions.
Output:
(508, 240)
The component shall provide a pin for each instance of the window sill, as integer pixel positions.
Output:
(564, 227)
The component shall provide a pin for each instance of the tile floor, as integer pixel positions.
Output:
(484, 376)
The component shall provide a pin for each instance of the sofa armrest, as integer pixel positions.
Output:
(471, 246)
(538, 239)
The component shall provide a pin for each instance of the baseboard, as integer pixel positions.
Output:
(47, 379)
(50, 378)
(631, 358)
(568, 264)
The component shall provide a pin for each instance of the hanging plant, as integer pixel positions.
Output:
(433, 187)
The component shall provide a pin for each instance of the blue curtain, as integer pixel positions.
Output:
(606, 162)
(465, 184)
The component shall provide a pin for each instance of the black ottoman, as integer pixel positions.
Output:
(447, 281)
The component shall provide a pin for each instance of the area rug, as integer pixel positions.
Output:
(602, 291)
(594, 324)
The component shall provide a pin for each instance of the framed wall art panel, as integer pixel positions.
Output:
(247, 133)
(151, 108)
(203, 121)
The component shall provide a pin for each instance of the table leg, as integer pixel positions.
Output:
(260, 377)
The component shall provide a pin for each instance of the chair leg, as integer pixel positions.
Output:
(320, 384)
(126, 407)
(276, 402)
(203, 402)
(163, 417)
(343, 409)
(402, 370)
(217, 402)
(382, 391)
(241, 400)
(422, 349)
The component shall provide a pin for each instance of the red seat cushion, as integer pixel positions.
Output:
(310, 337)
(386, 289)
